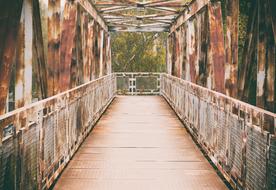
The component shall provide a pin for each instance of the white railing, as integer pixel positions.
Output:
(138, 83)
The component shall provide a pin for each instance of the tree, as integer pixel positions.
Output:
(139, 52)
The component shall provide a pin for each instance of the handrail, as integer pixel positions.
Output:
(138, 83)
(43, 136)
(51, 98)
(218, 94)
(239, 138)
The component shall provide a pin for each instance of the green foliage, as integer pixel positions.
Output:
(139, 52)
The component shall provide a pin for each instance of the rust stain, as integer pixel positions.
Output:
(19, 78)
(39, 59)
(231, 48)
(11, 11)
(84, 33)
(67, 42)
(48, 133)
(53, 46)
(192, 49)
(216, 54)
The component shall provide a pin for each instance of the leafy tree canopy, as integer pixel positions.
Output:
(138, 52)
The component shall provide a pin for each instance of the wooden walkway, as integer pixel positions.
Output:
(139, 144)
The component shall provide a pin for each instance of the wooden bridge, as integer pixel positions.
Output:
(68, 122)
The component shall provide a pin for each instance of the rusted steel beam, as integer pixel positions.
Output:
(23, 85)
(96, 51)
(216, 52)
(89, 7)
(266, 58)
(68, 33)
(90, 47)
(108, 61)
(84, 30)
(39, 58)
(169, 55)
(101, 50)
(202, 47)
(248, 55)
(93, 57)
(78, 67)
(139, 29)
(181, 49)
(231, 47)
(177, 53)
(262, 40)
(173, 49)
(74, 71)
(192, 50)
(105, 53)
(10, 12)
(194, 7)
(271, 61)
(54, 14)
(20, 55)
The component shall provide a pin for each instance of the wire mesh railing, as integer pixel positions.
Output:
(38, 141)
(237, 137)
(138, 83)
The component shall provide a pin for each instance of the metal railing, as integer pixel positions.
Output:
(238, 138)
(37, 141)
(42, 137)
(138, 83)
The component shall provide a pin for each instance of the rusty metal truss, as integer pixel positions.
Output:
(141, 15)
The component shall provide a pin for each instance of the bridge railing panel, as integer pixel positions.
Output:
(239, 138)
(38, 141)
(138, 83)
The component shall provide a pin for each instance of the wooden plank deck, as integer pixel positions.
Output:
(139, 144)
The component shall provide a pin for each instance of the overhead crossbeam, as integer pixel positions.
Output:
(140, 16)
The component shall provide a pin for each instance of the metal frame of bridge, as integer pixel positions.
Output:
(61, 49)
